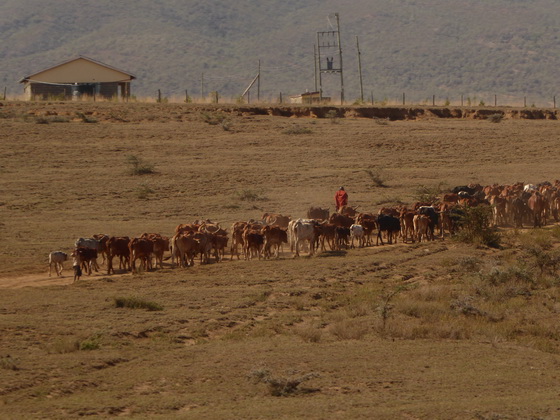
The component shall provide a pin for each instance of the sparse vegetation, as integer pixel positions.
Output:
(137, 303)
(429, 194)
(376, 177)
(144, 192)
(333, 116)
(251, 195)
(279, 386)
(476, 228)
(86, 118)
(138, 166)
(496, 118)
(296, 129)
(8, 362)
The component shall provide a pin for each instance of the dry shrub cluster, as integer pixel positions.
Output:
(282, 386)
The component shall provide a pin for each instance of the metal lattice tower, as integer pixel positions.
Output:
(329, 56)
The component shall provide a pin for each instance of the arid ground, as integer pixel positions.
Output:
(435, 330)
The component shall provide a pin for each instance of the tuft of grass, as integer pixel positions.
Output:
(85, 118)
(143, 192)
(137, 303)
(380, 121)
(333, 116)
(297, 130)
(495, 118)
(213, 118)
(9, 363)
(138, 166)
(376, 177)
(281, 386)
(250, 195)
(349, 329)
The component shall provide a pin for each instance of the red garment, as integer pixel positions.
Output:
(341, 199)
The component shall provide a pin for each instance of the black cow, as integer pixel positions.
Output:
(389, 224)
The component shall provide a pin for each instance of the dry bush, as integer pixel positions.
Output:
(495, 118)
(376, 177)
(349, 329)
(138, 166)
(310, 333)
(8, 362)
(295, 129)
(282, 386)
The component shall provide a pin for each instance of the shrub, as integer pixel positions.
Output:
(475, 227)
(380, 121)
(376, 178)
(9, 363)
(137, 303)
(332, 115)
(143, 192)
(349, 329)
(495, 118)
(250, 195)
(281, 386)
(85, 118)
(429, 194)
(296, 130)
(138, 166)
(213, 118)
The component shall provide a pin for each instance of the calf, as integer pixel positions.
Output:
(274, 237)
(357, 233)
(56, 258)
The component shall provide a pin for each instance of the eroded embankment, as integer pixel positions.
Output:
(412, 113)
(135, 111)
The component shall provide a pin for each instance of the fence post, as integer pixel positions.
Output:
(554, 100)
(524, 102)
(5, 94)
(372, 98)
(159, 96)
(495, 100)
(403, 98)
(433, 100)
(461, 100)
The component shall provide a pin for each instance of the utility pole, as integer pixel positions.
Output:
(315, 66)
(360, 69)
(259, 84)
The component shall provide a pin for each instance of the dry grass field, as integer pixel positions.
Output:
(434, 330)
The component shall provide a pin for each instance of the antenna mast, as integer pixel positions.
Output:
(328, 46)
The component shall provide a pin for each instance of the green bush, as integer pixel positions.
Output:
(476, 229)
(137, 303)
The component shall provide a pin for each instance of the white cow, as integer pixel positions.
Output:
(357, 233)
(56, 258)
(303, 230)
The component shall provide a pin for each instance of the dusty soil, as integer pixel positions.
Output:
(376, 329)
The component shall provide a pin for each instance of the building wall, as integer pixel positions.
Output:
(42, 91)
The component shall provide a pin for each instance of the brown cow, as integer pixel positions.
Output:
(141, 248)
(537, 205)
(184, 248)
(118, 247)
(274, 237)
(341, 220)
(318, 213)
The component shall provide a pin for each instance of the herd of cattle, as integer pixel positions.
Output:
(512, 205)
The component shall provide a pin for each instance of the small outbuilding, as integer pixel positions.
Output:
(309, 98)
(79, 78)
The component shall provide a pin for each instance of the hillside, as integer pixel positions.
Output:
(422, 47)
